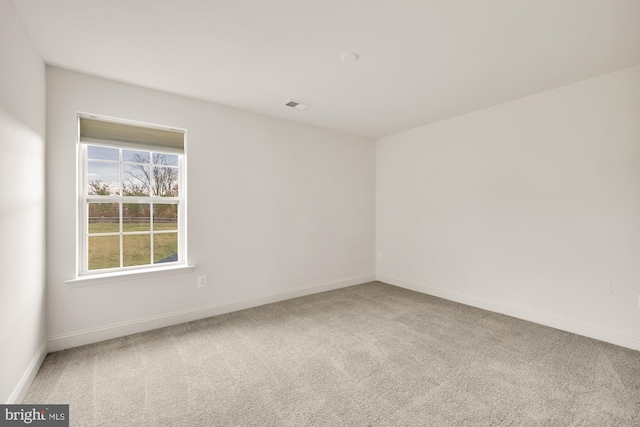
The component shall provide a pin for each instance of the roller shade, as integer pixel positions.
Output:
(102, 132)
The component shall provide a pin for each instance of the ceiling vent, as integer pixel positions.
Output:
(297, 105)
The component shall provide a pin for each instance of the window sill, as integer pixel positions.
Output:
(122, 276)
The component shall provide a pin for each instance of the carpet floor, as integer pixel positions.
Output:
(367, 355)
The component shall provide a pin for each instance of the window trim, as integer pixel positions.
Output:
(83, 274)
(124, 276)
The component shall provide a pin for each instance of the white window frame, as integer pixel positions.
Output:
(84, 199)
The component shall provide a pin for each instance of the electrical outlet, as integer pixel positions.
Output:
(379, 257)
(638, 302)
(202, 281)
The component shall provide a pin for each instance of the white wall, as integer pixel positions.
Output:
(273, 206)
(530, 208)
(22, 130)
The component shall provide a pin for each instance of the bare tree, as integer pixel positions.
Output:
(159, 179)
(97, 187)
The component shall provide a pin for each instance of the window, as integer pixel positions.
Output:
(132, 204)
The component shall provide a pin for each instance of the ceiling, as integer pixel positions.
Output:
(420, 61)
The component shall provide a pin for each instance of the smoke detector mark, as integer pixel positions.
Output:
(297, 105)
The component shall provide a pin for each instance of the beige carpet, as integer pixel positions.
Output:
(371, 354)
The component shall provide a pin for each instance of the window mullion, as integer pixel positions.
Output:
(181, 210)
(151, 206)
(151, 212)
(121, 236)
(120, 205)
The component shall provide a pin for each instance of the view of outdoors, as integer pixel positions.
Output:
(144, 229)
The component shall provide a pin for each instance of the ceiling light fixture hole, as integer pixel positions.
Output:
(350, 57)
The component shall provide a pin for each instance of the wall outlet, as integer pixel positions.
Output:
(379, 257)
(638, 302)
(202, 281)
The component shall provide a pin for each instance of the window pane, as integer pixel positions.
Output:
(165, 181)
(104, 252)
(136, 231)
(102, 153)
(136, 217)
(103, 178)
(136, 180)
(165, 159)
(135, 156)
(136, 249)
(165, 217)
(165, 247)
(104, 218)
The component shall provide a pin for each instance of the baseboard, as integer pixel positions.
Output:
(28, 376)
(89, 336)
(591, 331)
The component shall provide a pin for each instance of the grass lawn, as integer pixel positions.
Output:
(105, 227)
(104, 251)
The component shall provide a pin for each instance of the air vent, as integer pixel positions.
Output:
(297, 105)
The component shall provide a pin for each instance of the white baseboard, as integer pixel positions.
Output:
(28, 376)
(88, 336)
(591, 331)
